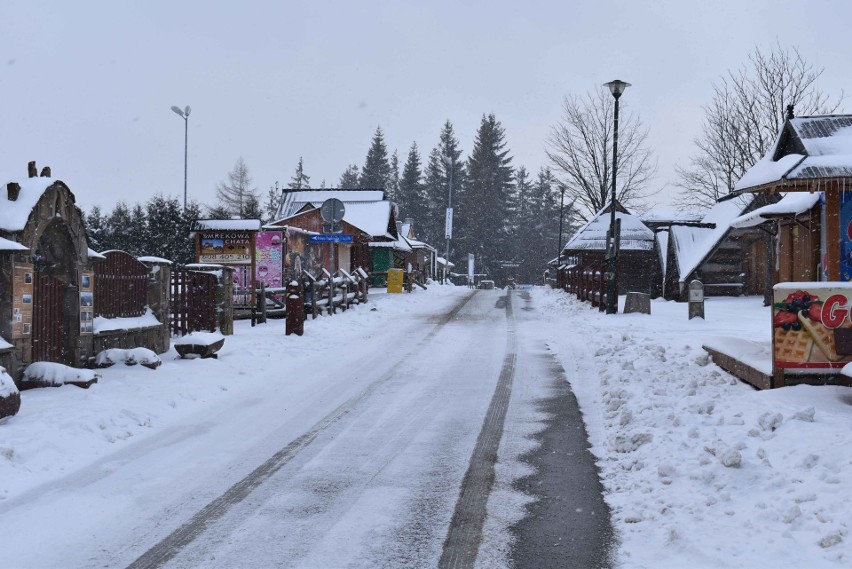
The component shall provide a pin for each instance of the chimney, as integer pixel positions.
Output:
(408, 221)
(14, 190)
(31, 169)
(45, 172)
(790, 114)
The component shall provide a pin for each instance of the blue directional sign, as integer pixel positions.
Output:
(341, 238)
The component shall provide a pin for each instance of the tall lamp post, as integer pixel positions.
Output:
(184, 114)
(448, 224)
(616, 88)
(561, 207)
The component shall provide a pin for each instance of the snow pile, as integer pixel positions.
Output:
(133, 356)
(147, 320)
(198, 339)
(700, 469)
(49, 373)
(7, 386)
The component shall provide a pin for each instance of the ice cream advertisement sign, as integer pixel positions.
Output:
(812, 326)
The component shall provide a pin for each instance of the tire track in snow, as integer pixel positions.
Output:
(174, 543)
(465, 532)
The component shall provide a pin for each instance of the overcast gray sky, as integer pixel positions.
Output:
(86, 86)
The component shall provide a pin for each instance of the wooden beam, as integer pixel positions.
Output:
(832, 230)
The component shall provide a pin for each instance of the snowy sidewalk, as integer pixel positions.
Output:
(700, 469)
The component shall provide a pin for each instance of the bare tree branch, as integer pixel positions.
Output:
(580, 149)
(742, 121)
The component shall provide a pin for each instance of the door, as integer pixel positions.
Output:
(48, 319)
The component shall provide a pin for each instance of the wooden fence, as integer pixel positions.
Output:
(121, 286)
(193, 302)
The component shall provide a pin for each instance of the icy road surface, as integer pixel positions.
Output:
(394, 444)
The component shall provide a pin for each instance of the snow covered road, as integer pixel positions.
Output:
(371, 442)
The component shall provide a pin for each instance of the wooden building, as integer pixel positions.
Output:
(52, 285)
(728, 260)
(812, 155)
(638, 264)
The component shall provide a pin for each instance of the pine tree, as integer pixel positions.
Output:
(392, 188)
(95, 228)
(435, 196)
(300, 180)
(376, 169)
(521, 221)
(443, 158)
(252, 209)
(139, 241)
(218, 212)
(349, 178)
(483, 204)
(411, 196)
(116, 234)
(272, 203)
(233, 195)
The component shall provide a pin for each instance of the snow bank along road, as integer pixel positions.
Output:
(402, 443)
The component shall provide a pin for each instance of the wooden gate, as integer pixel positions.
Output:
(121, 286)
(48, 319)
(193, 302)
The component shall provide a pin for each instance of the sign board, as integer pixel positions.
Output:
(333, 238)
(225, 247)
(448, 226)
(22, 300)
(269, 252)
(811, 326)
(332, 210)
(470, 268)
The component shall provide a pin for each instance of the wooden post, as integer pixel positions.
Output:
(832, 230)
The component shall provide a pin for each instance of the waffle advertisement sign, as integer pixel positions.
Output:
(812, 326)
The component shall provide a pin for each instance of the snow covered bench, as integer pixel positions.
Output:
(199, 344)
(50, 374)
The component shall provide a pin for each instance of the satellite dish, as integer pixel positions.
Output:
(332, 210)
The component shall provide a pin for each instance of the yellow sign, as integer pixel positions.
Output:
(395, 280)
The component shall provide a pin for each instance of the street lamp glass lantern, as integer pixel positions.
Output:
(617, 87)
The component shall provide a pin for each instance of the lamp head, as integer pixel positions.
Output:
(178, 111)
(187, 110)
(617, 87)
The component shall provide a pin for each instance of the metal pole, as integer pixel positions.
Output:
(185, 155)
(561, 205)
(611, 294)
(450, 221)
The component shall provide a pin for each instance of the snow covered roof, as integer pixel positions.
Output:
(399, 245)
(664, 214)
(441, 261)
(292, 201)
(150, 259)
(9, 245)
(635, 235)
(806, 148)
(793, 203)
(14, 214)
(95, 255)
(693, 244)
(227, 225)
(373, 218)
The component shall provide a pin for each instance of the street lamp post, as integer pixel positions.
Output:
(184, 114)
(561, 206)
(448, 225)
(616, 88)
